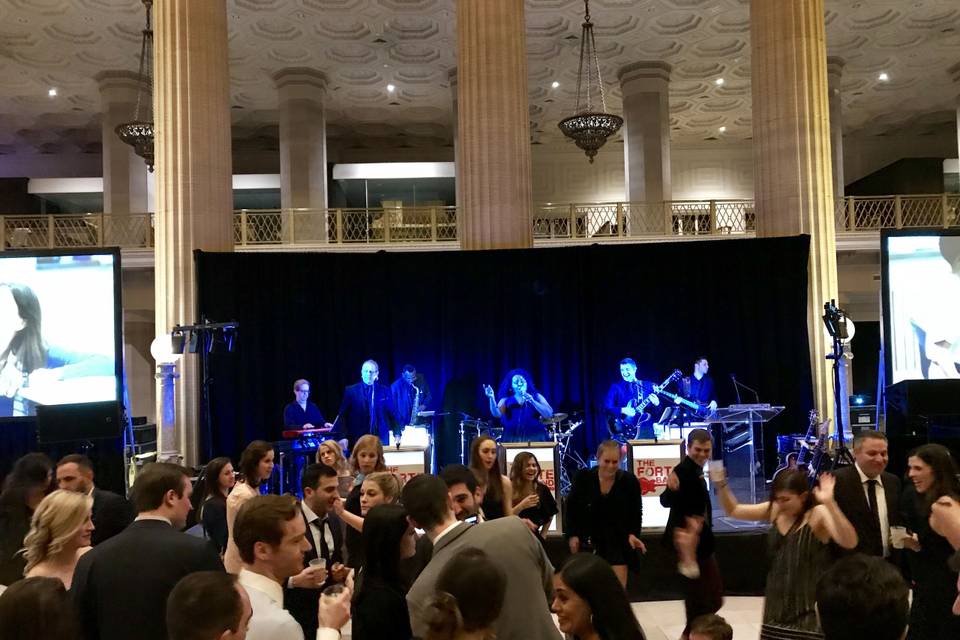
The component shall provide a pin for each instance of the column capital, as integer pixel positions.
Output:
(300, 82)
(645, 75)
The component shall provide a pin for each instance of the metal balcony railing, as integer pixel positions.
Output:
(591, 222)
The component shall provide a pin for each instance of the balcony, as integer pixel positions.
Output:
(858, 222)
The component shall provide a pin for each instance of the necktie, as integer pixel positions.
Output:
(874, 512)
(373, 421)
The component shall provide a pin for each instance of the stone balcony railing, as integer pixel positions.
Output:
(409, 226)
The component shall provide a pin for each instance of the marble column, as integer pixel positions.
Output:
(646, 150)
(125, 174)
(494, 177)
(303, 138)
(834, 79)
(791, 146)
(452, 78)
(193, 167)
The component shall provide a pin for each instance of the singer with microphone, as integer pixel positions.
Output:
(367, 407)
(520, 408)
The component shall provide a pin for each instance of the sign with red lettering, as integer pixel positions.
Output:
(405, 462)
(652, 474)
(651, 462)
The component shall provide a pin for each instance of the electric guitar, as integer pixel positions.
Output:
(698, 409)
(621, 425)
(798, 460)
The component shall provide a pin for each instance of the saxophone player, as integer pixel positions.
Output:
(411, 394)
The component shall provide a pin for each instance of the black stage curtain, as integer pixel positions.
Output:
(568, 315)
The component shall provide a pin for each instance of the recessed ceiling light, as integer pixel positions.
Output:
(555, 84)
(723, 129)
(391, 88)
(718, 82)
(52, 92)
(883, 77)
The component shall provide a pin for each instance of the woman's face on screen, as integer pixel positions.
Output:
(10, 320)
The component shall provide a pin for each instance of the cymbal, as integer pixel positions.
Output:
(554, 419)
(475, 423)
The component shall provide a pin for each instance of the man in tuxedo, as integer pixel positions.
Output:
(868, 495)
(325, 536)
(688, 499)
(508, 542)
(111, 512)
(208, 605)
(121, 585)
(367, 407)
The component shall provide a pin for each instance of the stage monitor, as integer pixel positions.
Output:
(921, 304)
(59, 329)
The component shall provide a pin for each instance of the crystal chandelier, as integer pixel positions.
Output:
(138, 133)
(589, 129)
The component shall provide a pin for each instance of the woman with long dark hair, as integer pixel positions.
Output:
(23, 489)
(256, 467)
(218, 481)
(605, 512)
(533, 501)
(497, 490)
(380, 607)
(470, 593)
(38, 609)
(803, 524)
(933, 474)
(520, 408)
(590, 602)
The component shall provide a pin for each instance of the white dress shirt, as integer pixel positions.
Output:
(270, 621)
(881, 507)
(316, 524)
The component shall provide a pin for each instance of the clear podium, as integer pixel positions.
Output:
(740, 429)
(548, 456)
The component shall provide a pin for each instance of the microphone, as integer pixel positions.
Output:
(739, 384)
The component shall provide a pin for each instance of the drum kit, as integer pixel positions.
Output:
(560, 429)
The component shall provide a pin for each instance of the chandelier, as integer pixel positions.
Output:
(138, 133)
(589, 129)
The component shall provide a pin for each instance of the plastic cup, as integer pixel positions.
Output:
(331, 593)
(897, 536)
(716, 471)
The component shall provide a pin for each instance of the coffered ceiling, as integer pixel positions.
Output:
(364, 45)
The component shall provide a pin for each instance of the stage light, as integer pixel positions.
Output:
(193, 342)
(859, 400)
(177, 341)
(229, 337)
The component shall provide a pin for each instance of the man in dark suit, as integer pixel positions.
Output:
(509, 543)
(868, 495)
(325, 535)
(687, 497)
(121, 586)
(367, 407)
(111, 512)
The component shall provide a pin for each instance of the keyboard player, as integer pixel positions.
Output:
(302, 414)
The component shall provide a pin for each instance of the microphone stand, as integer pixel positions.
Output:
(737, 383)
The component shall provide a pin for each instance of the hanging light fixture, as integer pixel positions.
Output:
(589, 129)
(138, 133)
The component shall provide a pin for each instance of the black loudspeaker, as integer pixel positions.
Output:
(72, 422)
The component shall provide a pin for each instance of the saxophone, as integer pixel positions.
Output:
(416, 404)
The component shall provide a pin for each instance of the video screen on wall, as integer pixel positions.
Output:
(58, 330)
(921, 304)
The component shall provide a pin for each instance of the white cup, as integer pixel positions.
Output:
(897, 536)
(715, 468)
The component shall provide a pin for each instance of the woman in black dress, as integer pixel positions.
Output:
(497, 490)
(933, 474)
(605, 511)
(366, 458)
(218, 480)
(380, 606)
(533, 501)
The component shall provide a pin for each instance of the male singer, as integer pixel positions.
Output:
(410, 387)
(367, 407)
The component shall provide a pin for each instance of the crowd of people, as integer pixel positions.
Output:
(462, 555)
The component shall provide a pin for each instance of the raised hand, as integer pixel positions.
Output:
(488, 391)
(823, 492)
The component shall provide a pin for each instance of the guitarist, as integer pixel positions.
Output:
(698, 388)
(622, 399)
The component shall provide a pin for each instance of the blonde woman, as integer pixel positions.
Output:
(380, 487)
(366, 458)
(330, 454)
(59, 534)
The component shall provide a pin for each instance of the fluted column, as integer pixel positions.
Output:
(955, 74)
(791, 142)
(452, 77)
(834, 80)
(494, 177)
(125, 174)
(646, 116)
(303, 138)
(194, 192)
